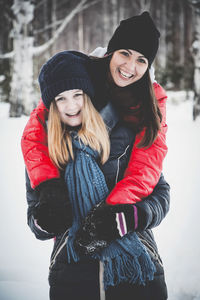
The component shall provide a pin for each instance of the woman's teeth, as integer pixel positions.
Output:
(126, 75)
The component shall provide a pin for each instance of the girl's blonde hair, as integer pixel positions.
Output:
(93, 133)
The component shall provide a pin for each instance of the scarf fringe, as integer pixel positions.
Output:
(123, 264)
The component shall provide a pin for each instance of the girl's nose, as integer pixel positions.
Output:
(70, 104)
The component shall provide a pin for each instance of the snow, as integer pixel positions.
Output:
(24, 260)
(178, 235)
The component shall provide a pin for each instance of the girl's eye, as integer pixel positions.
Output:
(60, 99)
(124, 53)
(78, 94)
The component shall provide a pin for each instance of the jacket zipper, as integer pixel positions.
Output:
(148, 246)
(58, 249)
(151, 250)
(118, 160)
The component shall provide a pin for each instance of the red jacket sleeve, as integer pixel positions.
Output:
(35, 149)
(145, 165)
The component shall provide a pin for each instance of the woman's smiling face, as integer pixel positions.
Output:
(127, 66)
(70, 104)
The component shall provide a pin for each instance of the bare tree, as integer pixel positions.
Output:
(80, 31)
(22, 98)
(106, 22)
(22, 64)
(114, 15)
(162, 22)
(145, 5)
(195, 50)
(62, 24)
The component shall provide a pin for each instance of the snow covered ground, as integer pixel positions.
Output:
(178, 235)
(24, 260)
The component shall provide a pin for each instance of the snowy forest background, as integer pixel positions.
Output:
(31, 32)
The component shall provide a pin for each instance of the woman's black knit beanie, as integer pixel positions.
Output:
(138, 33)
(66, 70)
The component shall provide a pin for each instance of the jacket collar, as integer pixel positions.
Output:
(110, 116)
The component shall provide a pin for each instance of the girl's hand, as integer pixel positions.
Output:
(53, 213)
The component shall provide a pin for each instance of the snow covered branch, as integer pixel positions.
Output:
(80, 7)
(48, 27)
(7, 55)
(90, 4)
(58, 22)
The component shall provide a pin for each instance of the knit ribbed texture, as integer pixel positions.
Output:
(66, 70)
(86, 187)
(138, 33)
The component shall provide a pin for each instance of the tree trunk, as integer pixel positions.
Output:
(53, 19)
(114, 15)
(145, 5)
(80, 32)
(196, 57)
(21, 94)
(106, 24)
(22, 98)
(162, 17)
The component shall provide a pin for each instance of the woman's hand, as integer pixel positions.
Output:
(104, 224)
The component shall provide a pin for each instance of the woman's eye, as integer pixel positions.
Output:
(141, 60)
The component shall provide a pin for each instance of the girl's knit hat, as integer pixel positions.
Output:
(66, 70)
(138, 33)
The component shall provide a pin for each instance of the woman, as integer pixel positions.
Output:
(49, 187)
(117, 78)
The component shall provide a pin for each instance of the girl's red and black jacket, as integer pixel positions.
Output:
(149, 213)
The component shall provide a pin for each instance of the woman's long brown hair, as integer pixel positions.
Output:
(151, 113)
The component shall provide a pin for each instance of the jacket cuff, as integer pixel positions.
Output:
(127, 221)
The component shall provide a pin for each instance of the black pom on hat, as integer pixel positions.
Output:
(64, 71)
(138, 33)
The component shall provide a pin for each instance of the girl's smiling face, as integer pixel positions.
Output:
(70, 104)
(127, 66)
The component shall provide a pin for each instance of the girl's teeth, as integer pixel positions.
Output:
(73, 115)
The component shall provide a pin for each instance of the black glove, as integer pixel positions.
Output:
(104, 224)
(54, 212)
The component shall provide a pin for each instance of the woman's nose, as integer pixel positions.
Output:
(131, 64)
